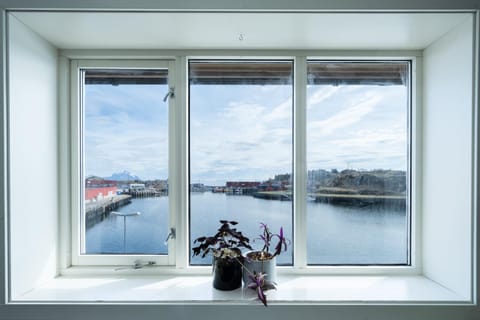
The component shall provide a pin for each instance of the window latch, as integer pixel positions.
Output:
(171, 235)
(170, 94)
(138, 264)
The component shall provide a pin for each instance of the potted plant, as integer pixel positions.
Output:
(264, 261)
(226, 248)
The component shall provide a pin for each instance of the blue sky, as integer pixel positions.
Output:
(244, 132)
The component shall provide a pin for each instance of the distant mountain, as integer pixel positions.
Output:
(123, 176)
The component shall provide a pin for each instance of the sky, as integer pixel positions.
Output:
(126, 129)
(244, 132)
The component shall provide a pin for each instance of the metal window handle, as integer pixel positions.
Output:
(171, 235)
(170, 94)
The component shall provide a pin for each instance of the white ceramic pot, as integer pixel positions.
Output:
(265, 266)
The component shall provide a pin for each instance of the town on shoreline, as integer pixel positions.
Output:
(348, 186)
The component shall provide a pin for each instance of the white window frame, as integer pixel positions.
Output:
(413, 245)
(178, 165)
(77, 156)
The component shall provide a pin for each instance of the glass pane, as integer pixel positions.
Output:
(241, 148)
(125, 165)
(357, 162)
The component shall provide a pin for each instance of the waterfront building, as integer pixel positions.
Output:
(97, 188)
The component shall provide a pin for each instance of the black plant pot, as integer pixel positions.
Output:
(227, 274)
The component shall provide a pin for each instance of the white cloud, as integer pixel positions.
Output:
(281, 112)
(125, 129)
(322, 94)
(369, 134)
(345, 117)
(249, 141)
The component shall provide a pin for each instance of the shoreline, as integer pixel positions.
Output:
(357, 200)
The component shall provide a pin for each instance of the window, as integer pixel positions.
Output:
(240, 124)
(357, 160)
(357, 155)
(124, 118)
(240, 120)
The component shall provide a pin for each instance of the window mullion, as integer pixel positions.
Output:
(179, 164)
(173, 156)
(300, 162)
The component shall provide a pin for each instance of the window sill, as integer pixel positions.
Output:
(292, 289)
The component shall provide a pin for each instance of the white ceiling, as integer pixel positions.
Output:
(201, 30)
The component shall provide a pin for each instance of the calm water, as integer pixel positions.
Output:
(336, 234)
(145, 233)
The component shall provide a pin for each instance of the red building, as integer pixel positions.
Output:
(242, 184)
(97, 188)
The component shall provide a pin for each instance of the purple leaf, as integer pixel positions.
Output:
(262, 296)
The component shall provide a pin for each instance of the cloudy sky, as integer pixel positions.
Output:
(244, 132)
(126, 130)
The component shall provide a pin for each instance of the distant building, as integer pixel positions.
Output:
(97, 188)
(241, 187)
(197, 187)
(135, 187)
(242, 184)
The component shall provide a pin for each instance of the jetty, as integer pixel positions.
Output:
(97, 211)
(273, 195)
(356, 200)
(360, 200)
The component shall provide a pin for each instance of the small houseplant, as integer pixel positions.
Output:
(264, 261)
(226, 248)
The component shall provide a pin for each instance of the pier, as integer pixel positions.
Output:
(273, 195)
(360, 200)
(356, 200)
(98, 210)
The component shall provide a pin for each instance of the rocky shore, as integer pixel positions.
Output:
(359, 188)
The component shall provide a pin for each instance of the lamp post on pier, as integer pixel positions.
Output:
(125, 215)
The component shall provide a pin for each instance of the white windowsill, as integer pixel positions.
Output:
(292, 289)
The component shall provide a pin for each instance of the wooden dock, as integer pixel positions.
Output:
(98, 210)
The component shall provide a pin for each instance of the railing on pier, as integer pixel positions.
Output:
(146, 193)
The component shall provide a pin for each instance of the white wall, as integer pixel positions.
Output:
(447, 159)
(33, 157)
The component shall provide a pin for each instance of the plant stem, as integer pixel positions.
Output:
(243, 266)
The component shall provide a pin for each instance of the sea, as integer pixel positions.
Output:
(336, 234)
